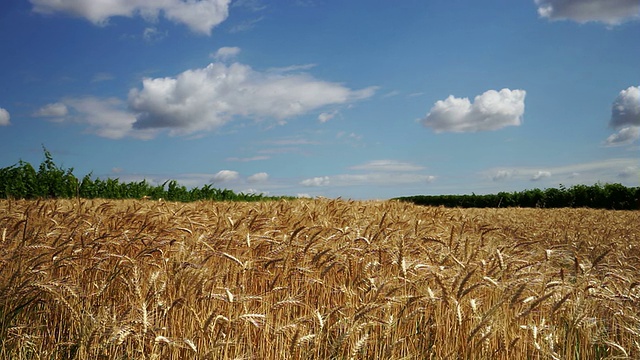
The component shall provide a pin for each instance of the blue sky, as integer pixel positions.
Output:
(359, 99)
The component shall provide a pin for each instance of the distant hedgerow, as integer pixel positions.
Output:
(607, 196)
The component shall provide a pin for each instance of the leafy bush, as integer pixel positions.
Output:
(22, 181)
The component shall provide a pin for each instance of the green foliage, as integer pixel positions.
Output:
(22, 181)
(607, 196)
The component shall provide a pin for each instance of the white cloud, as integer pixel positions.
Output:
(625, 117)
(502, 175)
(377, 179)
(105, 117)
(611, 12)
(589, 173)
(326, 116)
(539, 175)
(376, 173)
(292, 141)
(259, 177)
(626, 108)
(624, 136)
(380, 179)
(349, 137)
(292, 68)
(247, 159)
(207, 98)
(4, 117)
(492, 110)
(225, 176)
(387, 166)
(200, 16)
(391, 94)
(52, 110)
(316, 181)
(226, 53)
(152, 34)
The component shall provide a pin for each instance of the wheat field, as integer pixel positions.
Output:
(315, 279)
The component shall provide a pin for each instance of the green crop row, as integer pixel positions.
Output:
(23, 181)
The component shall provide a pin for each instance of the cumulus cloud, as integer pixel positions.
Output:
(207, 98)
(611, 12)
(625, 117)
(492, 110)
(316, 181)
(259, 177)
(200, 16)
(626, 108)
(52, 110)
(540, 175)
(386, 166)
(226, 53)
(4, 117)
(225, 176)
(624, 136)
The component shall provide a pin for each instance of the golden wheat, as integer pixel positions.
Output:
(315, 279)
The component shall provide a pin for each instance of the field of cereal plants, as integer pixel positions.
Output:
(315, 279)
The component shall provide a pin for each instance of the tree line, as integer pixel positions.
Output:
(598, 196)
(23, 181)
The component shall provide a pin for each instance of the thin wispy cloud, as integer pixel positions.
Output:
(248, 159)
(246, 25)
(386, 166)
(610, 12)
(200, 16)
(100, 77)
